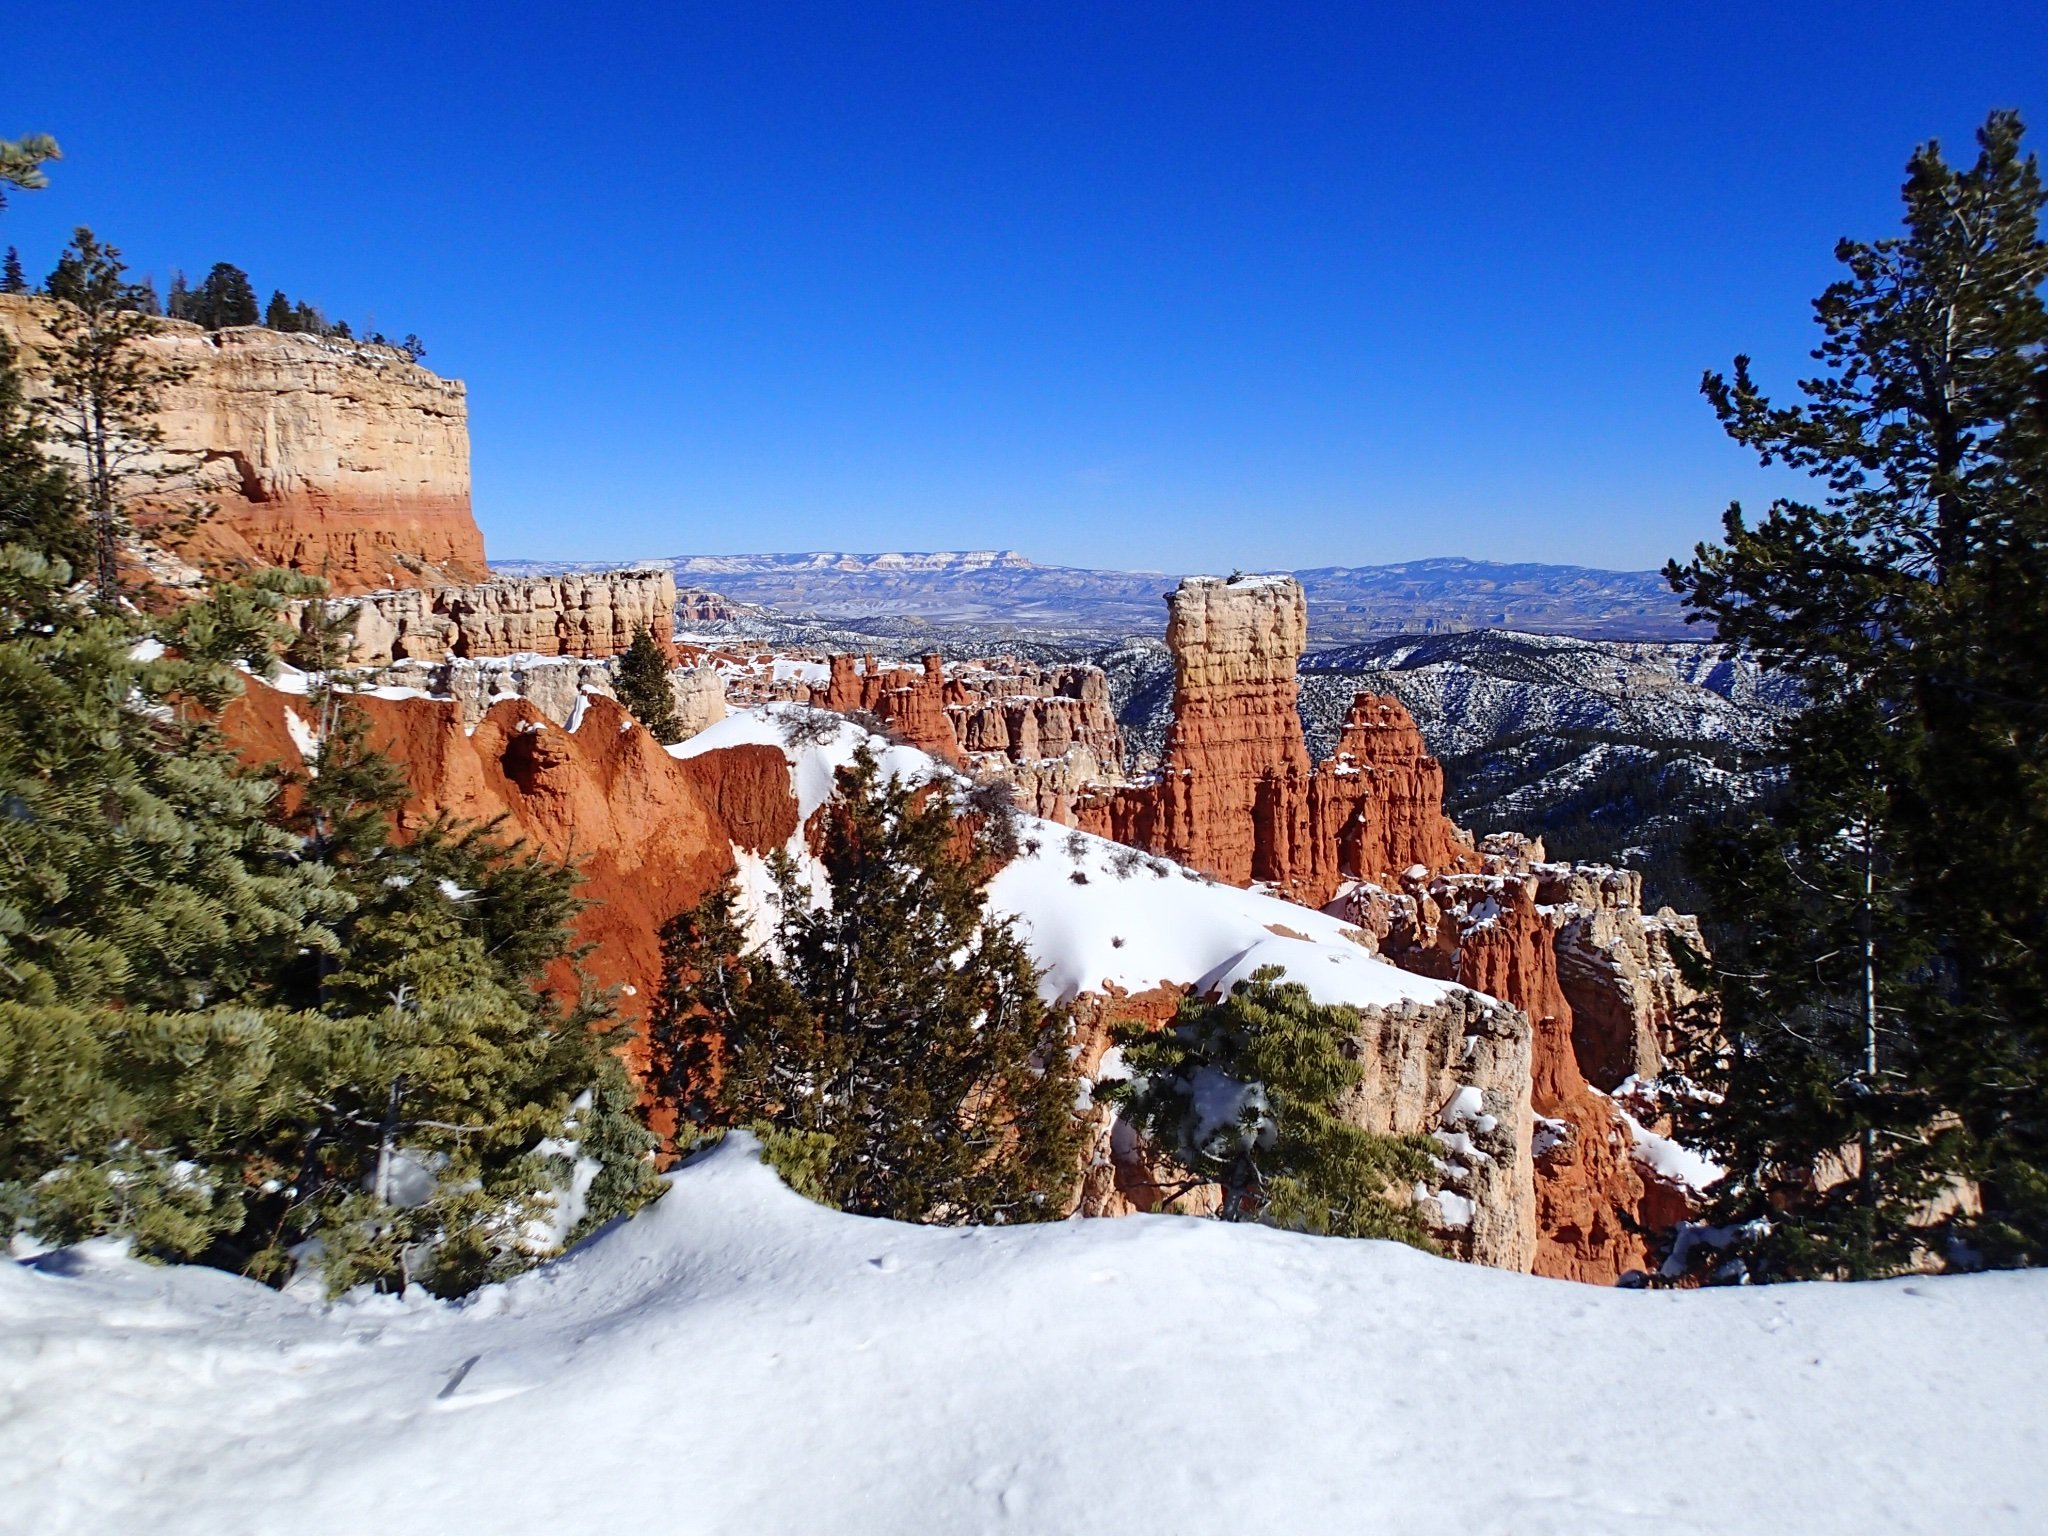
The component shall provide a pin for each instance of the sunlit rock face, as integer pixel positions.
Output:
(586, 616)
(332, 457)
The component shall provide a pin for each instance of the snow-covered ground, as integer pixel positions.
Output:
(738, 1360)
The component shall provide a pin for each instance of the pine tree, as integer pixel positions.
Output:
(12, 278)
(277, 314)
(1245, 1092)
(41, 513)
(229, 1029)
(1883, 1025)
(105, 392)
(889, 1040)
(178, 303)
(21, 163)
(225, 299)
(641, 680)
(145, 901)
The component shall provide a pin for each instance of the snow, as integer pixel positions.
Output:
(737, 1359)
(1673, 1160)
(1135, 923)
(304, 737)
(1137, 929)
(812, 765)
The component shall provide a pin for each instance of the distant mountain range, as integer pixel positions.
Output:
(1001, 590)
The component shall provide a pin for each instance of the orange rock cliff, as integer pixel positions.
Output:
(333, 457)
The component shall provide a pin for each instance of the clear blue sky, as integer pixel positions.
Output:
(1173, 285)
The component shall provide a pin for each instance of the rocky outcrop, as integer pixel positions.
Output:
(1235, 795)
(586, 616)
(1457, 1071)
(699, 694)
(556, 686)
(1620, 970)
(1376, 807)
(332, 457)
(1027, 712)
(695, 605)
(650, 833)
(1048, 731)
(1598, 1210)
(911, 703)
(1233, 787)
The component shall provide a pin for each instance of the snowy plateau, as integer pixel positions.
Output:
(737, 1359)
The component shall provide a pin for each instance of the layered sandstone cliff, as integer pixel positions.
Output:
(333, 457)
(556, 686)
(1234, 778)
(586, 616)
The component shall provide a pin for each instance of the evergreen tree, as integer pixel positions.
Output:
(1880, 936)
(178, 303)
(641, 680)
(41, 513)
(21, 163)
(225, 299)
(228, 1030)
(144, 298)
(12, 278)
(889, 1040)
(1245, 1093)
(446, 1066)
(105, 391)
(277, 314)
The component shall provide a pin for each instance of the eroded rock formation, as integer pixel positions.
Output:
(1457, 1071)
(1598, 1209)
(1049, 731)
(1619, 968)
(650, 833)
(1235, 795)
(1232, 790)
(333, 457)
(553, 685)
(588, 616)
(1363, 834)
(911, 702)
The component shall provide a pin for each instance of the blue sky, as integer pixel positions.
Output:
(1163, 286)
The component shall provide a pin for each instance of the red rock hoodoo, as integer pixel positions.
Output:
(1236, 797)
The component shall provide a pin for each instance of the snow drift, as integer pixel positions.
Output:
(736, 1359)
